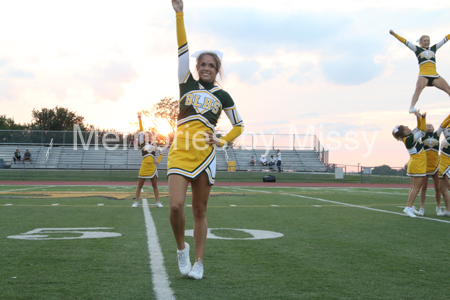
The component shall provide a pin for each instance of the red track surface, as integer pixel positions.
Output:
(265, 184)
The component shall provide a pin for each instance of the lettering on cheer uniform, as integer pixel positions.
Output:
(430, 142)
(203, 101)
(427, 54)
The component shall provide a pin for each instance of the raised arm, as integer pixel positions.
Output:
(141, 127)
(177, 5)
(443, 126)
(141, 131)
(421, 126)
(183, 49)
(443, 41)
(403, 40)
(422, 122)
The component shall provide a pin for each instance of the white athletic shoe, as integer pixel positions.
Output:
(197, 270)
(438, 211)
(446, 213)
(412, 110)
(421, 212)
(158, 204)
(142, 190)
(184, 263)
(414, 210)
(135, 204)
(409, 212)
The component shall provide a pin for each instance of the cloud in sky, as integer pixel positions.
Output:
(261, 31)
(107, 80)
(57, 79)
(247, 70)
(344, 59)
(16, 73)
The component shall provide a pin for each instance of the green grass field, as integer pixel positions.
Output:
(336, 243)
(131, 175)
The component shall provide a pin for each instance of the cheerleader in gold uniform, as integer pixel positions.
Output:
(148, 166)
(426, 56)
(192, 154)
(444, 171)
(431, 146)
(417, 165)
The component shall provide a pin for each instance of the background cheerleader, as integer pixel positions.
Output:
(148, 168)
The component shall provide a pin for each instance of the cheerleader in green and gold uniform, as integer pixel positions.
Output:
(417, 165)
(431, 146)
(148, 168)
(192, 154)
(444, 170)
(426, 56)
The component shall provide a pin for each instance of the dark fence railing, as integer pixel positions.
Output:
(109, 138)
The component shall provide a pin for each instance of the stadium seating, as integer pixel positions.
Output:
(67, 157)
(37, 156)
(292, 160)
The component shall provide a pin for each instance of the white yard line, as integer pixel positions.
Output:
(365, 207)
(253, 191)
(161, 285)
(387, 193)
(353, 205)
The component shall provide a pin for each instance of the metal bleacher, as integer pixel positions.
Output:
(37, 156)
(292, 160)
(124, 158)
(102, 158)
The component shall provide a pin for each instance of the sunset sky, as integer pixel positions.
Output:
(330, 68)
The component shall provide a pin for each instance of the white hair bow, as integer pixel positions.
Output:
(197, 54)
(395, 129)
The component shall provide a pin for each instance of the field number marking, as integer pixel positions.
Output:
(86, 233)
(256, 234)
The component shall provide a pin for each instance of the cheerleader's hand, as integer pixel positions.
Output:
(211, 139)
(417, 113)
(391, 32)
(177, 5)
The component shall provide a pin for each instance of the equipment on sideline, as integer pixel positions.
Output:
(269, 178)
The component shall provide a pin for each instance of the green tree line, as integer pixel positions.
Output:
(58, 124)
(58, 119)
(387, 170)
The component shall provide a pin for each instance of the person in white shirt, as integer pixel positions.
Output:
(263, 160)
(279, 160)
(272, 162)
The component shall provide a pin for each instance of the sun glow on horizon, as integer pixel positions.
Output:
(162, 126)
